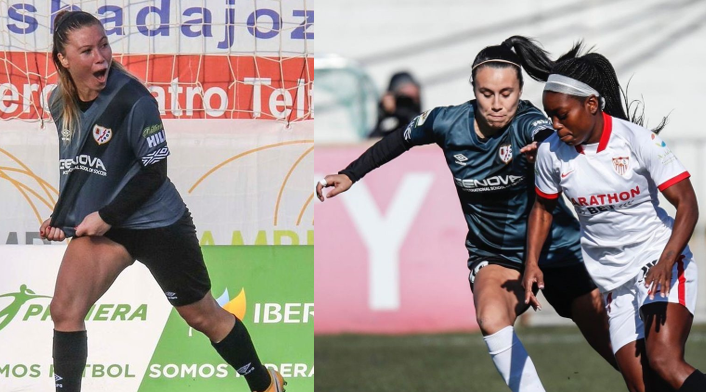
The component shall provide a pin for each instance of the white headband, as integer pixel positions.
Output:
(566, 85)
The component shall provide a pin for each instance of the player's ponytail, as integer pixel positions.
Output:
(533, 58)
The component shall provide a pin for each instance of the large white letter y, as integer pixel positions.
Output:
(384, 235)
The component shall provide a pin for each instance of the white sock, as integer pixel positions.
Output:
(512, 361)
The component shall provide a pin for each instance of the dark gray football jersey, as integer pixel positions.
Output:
(495, 182)
(118, 135)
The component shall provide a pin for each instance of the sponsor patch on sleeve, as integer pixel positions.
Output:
(665, 155)
(422, 118)
(152, 129)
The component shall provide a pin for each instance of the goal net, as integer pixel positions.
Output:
(211, 60)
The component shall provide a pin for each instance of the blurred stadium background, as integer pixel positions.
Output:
(390, 258)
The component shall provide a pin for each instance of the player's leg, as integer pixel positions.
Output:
(628, 333)
(572, 293)
(174, 258)
(231, 340)
(499, 298)
(636, 371)
(627, 336)
(89, 267)
(588, 312)
(667, 325)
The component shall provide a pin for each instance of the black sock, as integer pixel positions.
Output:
(237, 349)
(70, 353)
(696, 382)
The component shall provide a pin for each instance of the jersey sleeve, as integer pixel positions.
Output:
(533, 126)
(663, 166)
(421, 129)
(546, 176)
(147, 136)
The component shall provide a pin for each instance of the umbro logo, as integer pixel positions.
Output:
(461, 159)
(245, 369)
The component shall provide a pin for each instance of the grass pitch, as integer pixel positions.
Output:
(460, 362)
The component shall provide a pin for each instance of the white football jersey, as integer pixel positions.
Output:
(613, 187)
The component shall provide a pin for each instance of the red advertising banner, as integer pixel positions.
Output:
(389, 253)
(185, 86)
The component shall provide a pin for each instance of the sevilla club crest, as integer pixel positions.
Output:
(620, 164)
(102, 134)
(505, 153)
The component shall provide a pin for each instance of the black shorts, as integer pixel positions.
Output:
(562, 284)
(173, 256)
(476, 263)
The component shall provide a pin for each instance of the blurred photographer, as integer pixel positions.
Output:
(400, 104)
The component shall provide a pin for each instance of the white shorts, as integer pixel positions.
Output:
(623, 303)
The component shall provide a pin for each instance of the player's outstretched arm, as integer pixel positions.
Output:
(339, 182)
(385, 150)
(539, 224)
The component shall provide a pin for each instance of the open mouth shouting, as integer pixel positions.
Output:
(101, 75)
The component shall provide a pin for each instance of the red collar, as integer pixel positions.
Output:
(605, 136)
(607, 130)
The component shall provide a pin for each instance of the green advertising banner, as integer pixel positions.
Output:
(271, 288)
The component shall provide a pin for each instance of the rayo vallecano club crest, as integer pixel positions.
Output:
(620, 164)
(102, 134)
(505, 153)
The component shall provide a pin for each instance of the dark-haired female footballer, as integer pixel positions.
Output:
(611, 168)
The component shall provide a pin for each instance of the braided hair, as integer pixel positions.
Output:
(596, 71)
